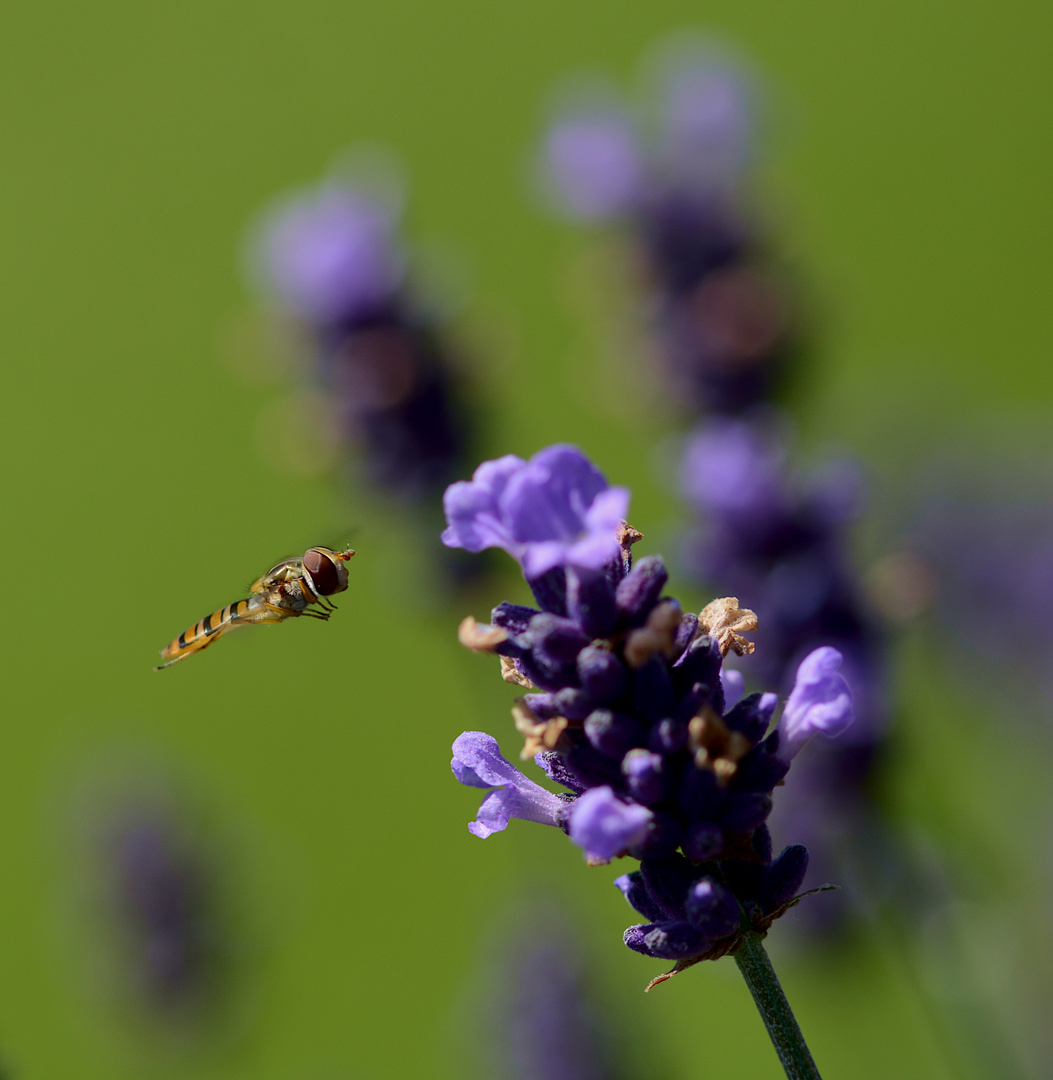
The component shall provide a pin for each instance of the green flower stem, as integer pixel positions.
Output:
(775, 1010)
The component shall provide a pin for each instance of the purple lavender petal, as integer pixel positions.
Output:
(734, 684)
(594, 164)
(604, 825)
(820, 702)
(332, 254)
(554, 510)
(730, 468)
(478, 762)
(471, 506)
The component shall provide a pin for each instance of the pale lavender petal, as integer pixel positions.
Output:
(734, 684)
(604, 825)
(333, 254)
(594, 164)
(472, 506)
(478, 762)
(820, 702)
(555, 510)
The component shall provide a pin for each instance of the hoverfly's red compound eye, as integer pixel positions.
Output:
(323, 571)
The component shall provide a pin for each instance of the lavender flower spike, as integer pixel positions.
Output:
(820, 702)
(604, 825)
(556, 509)
(478, 762)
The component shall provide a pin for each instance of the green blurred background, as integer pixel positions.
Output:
(909, 177)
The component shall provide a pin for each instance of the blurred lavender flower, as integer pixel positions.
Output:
(626, 711)
(783, 546)
(544, 1019)
(161, 900)
(334, 258)
(981, 546)
(719, 315)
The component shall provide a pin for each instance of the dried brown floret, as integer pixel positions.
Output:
(480, 637)
(537, 734)
(725, 622)
(657, 635)
(716, 747)
(511, 674)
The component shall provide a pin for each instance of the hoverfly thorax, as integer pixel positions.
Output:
(325, 570)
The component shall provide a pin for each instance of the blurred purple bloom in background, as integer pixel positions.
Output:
(632, 721)
(334, 258)
(334, 255)
(594, 163)
(719, 315)
(163, 905)
(539, 1013)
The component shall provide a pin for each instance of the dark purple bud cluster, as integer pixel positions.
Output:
(629, 694)
(695, 911)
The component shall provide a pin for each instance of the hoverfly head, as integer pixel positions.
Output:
(326, 571)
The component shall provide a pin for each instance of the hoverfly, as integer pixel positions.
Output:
(284, 592)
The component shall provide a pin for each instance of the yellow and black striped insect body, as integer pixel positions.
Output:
(284, 592)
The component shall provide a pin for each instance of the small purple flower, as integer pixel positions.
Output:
(734, 470)
(708, 122)
(555, 510)
(604, 825)
(478, 762)
(820, 702)
(734, 685)
(332, 255)
(593, 162)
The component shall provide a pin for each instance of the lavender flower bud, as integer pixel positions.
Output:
(602, 674)
(711, 909)
(612, 734)
(703, 841)
(784, 878)
(646, 776)
(638, 591)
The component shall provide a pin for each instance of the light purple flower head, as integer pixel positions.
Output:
(556, 509)
(478, 762)
(593, 163)
(604, 825)
(332, 254)
(820, 702)
(708, 123)
(735, 470)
